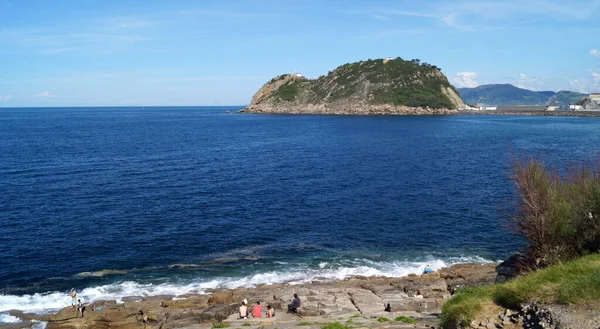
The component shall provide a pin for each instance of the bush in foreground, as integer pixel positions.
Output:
(575, 282)
(558, 216)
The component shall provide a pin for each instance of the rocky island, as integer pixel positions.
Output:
(380, 86)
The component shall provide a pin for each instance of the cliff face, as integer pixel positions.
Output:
(367, 87)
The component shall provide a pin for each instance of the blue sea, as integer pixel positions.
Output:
(169, 200)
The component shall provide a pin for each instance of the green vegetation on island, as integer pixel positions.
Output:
(395, 82)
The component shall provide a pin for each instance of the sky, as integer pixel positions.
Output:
(184, 52)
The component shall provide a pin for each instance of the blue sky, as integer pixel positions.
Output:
(177, 52)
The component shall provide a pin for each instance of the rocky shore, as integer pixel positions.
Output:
(355, 109)
(360, 301)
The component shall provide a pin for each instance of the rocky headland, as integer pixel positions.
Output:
(381, 86)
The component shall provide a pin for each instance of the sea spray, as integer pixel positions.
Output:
(7, 318)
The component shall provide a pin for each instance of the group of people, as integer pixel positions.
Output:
(256, 310)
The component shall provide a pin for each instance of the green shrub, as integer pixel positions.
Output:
(301, 324)
(220, 325)
(559, 216)
(406, 319)
(246, 324)
(383, 319)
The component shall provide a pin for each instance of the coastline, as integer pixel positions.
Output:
(385, 109)
(364, 297)
(529, 113)
(357, 109)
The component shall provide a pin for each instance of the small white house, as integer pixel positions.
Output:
(574, 107)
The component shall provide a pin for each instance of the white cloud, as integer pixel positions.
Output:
(44, 94)
(596, 77)
(466, 79)
(578, 85)
(476, 15)
(5, 98)
(595, 52)
(526, 82)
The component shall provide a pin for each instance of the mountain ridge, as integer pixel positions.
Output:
(508, 94)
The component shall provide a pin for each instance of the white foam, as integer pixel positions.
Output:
(302, 273)
(7, 318)
(38, 324)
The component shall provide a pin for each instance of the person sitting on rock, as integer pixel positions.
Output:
(270, 311)
(419, 294)
(244, 310)
(257, 310)
(295, 305)
(427, 269)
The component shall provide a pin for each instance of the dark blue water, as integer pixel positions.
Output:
(248, 199)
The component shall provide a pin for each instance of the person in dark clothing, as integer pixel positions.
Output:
(80, 307)
(295, 305)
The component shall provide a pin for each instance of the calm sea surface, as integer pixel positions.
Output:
(143, 201)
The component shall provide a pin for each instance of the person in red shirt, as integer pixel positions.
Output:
(257, 310)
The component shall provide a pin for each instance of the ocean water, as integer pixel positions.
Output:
(118, 202)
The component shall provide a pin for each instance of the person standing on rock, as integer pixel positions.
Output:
(80, 307)
(257, 310)
(295, 305)
(244, 310)
(73, 295)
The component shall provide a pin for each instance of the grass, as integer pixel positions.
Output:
(406, 319)
(220, 325)
(575, 282)
(302, 324)
(383, 319)
(246, 324)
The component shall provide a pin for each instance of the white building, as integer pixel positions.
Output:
(595, 97)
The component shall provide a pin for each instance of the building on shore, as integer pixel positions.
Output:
(522, 108)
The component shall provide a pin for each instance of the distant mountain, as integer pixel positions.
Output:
(507, 94)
